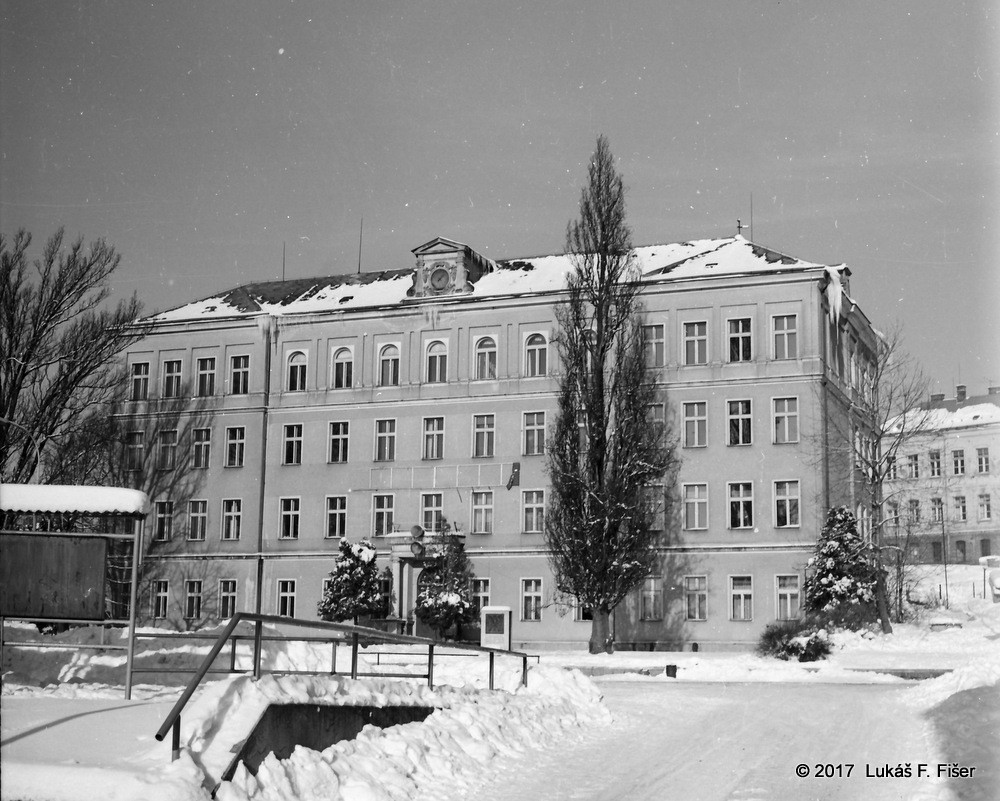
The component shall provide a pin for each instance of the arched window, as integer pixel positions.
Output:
(437, 362)
(388, 366)
(536, 356)
(486, 358)
(296, 372)
(343, 369)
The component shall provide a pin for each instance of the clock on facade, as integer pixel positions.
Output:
(440, 278)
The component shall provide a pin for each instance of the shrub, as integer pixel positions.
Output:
(802, 640)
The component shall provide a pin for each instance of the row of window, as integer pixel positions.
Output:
(960, 509)
(740, 598)
(739, 346)
(911, 465)
(963, 550)
(785, 504)
(740, 415)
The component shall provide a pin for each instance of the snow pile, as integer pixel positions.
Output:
(982, 672)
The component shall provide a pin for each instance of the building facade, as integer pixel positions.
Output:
(393, 405)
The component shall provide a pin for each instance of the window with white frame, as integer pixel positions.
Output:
(206, 377)
(695, 506)
(140, 381)
(166, 457)
(232, 518)
(740, 504)
(651, 598)
(285, 606)
(739, 340)
(292, 450)
(437, 362)
(961, 511)
(696, 597)
(172, 378)
(433, 438)
(786, 420)
(339, 435)
(385, 440)
(937, 510)
(296, 376)
(739, 421)
(343, 368)
(912, 465)
(913, 510)
(482, 512)
(786, 504)
(892, 514)
(336, 516)
(534, 511)
(786, 336)
(480, 595)
(134, 448)
(741, 597)
(483, 435)
(654, 345)
(486, 359)
(197, 519)
(695, 424)
(290, 509)
(192, 599)
(388, 366)
(239, 374)
(983, 460)
(787, 602)
(985, 508)
(163, 520)
(531, 599)
(432, 511)
(235, 446)
(227, 598)
(696, 343)
(534, 433)
(202, 448)
(958, 462)
(891, 471)
(536, 351)
(161, 598)
(383, 510)
(653, 497)
(935, 463)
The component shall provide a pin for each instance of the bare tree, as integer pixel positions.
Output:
(605, 455)
(58, 343)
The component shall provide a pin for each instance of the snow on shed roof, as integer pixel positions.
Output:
(65, 499)
(705, 258)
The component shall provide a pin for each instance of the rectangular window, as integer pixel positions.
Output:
(739, 419)
(983, 459)
(202, 448)
(140, 381)
(385, 593)
(385, 440)
(695, 425)
(172, 378)
(654, 345)
(696, 597)
(166, 455)
(913, 465)
(192, 599)
(961, 511)
(232, 518)
(433, 438)
(286, 598)
(227, 598)
(696, 343)
(206, 377)
(239, 374)
(787, 588)
(958, 462)
(235, 446)
(134, 446)
(890, 462)
(741, 597)
(937, 510)
(480, 595)
(531, 599)
(985, 509)
(197, 519)
(432, 511)
(483, 435)
(913, 510)
(383, 508)
(739, 340)
(935, 461)
(292, 450)
(534, 433)
(786, 420)
(786, 504)
(786, 337)
(695, 506)
(290, 509)
(163, 520)
(652, 598)
(741, 505)
(892, 514)
(534, 511)
(339, 434)
(161, 597)
(336, 515)
(482, 512)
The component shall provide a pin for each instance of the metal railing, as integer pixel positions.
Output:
(356, 635)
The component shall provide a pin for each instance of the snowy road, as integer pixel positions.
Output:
(743, 742)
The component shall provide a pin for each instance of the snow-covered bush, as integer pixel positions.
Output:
(801, 640)
(445, 597)
(353, 587)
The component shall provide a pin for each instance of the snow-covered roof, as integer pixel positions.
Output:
(700, 259)
(977, 414)
(66, 499)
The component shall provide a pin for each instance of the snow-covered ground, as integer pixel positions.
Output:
(713, 732)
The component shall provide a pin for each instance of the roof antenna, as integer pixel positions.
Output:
(361, 238)
(739, 227)
(282, 261)
(751, 216)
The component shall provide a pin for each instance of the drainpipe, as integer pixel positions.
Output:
(268, 325)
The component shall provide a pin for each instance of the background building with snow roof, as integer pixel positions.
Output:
(384, 404)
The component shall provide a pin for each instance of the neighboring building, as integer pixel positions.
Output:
(942, 504)
(365, 405)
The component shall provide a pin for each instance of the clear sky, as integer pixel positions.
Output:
(201, 137)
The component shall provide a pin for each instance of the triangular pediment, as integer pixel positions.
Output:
(439, 245)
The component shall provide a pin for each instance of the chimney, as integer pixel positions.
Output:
(960, 392)
(937, 397)
(993, 390)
